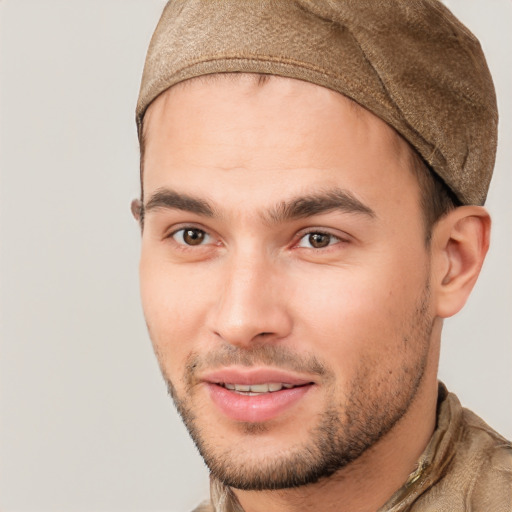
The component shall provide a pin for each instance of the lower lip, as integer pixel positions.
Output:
(255, 408)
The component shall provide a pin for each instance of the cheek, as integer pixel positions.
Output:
(362, 316)
(174, 307)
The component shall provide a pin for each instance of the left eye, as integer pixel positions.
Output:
(318, 240)
(191, 236)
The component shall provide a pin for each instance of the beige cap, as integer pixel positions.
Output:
(412, 63)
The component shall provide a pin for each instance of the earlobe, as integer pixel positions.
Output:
(136, 208)
(460, 242)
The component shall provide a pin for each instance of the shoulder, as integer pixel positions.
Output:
(486, 458)
(470, 468)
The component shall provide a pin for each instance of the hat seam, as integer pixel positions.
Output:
(259, 58)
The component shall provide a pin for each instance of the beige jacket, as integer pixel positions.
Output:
(466, 467)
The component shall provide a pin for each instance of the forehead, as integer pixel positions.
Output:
(237, 129)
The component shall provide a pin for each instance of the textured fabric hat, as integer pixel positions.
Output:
(410, 62)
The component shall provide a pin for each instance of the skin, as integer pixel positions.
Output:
(359, 317)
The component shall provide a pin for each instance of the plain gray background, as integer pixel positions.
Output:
(86, 424)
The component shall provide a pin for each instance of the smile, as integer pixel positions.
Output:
(255, 395)
(257, 389)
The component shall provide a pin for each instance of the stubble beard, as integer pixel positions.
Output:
(344, 431)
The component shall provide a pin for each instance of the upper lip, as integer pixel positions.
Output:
(253, 376)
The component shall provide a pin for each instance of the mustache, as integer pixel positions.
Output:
(276, 356)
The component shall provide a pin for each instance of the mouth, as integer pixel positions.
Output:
(255, 395)
(258, 389)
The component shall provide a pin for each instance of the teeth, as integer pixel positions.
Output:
(258, 388)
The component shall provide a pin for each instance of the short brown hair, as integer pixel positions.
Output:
(436, 198)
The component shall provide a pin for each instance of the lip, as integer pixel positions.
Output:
(250, 376)
(255, 408)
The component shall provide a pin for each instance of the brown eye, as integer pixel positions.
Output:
(190, 236)
(193, 236)
(319, 240)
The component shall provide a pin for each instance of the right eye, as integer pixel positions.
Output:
(318, 240)
(191, 236)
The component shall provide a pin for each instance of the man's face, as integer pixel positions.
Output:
(284, 275)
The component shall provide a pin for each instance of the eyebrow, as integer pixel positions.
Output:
(165, 198)
(293, 209)
(317, 204)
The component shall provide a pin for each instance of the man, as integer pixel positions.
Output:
(313, 175)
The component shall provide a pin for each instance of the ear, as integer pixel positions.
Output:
(136, 208)
(460, 241)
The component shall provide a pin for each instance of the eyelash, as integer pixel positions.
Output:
(333, 239)
(302, 236)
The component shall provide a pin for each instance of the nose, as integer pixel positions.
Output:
(252, 306)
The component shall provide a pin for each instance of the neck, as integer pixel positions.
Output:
(367, 483)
